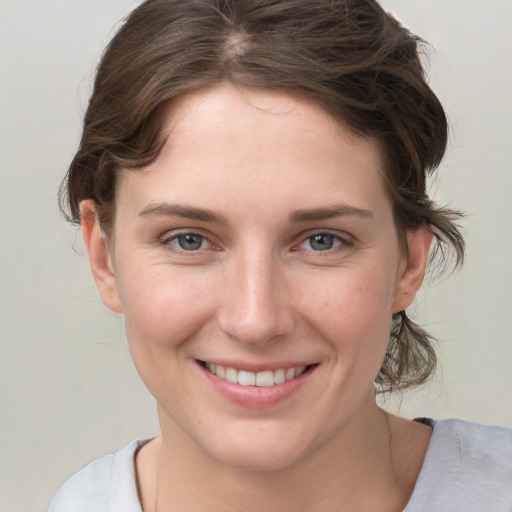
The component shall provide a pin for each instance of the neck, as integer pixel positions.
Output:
(368, 463)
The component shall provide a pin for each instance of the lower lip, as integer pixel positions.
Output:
(256, 396)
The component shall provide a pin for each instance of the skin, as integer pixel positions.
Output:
(267, 166)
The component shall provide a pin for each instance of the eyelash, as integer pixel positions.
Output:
(341, 243)
(167, 241)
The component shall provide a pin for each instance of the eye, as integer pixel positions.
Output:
(321, 242)
(188, 242)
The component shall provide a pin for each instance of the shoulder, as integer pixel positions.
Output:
(468, 467)
(106, 484)
(472, 446)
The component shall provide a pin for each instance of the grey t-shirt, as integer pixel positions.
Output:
(467, 468)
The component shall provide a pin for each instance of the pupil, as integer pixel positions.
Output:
(190, 242)
(322, 242)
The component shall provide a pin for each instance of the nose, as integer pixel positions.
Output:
(255, 305)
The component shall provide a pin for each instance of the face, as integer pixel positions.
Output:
(259, 247)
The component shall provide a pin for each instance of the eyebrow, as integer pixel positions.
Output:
(296, 217)
(338, 210)
(187, 212)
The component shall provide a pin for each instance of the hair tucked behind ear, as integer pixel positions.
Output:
(349, 56)
(410, 359)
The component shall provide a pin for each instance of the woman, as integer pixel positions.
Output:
(251, 190)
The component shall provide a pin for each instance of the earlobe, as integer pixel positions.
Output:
(99, 256)
(418, 248)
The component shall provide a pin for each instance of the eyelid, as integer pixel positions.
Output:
(173, 234)
(346, 240)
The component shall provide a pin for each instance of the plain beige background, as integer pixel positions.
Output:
(69, 392)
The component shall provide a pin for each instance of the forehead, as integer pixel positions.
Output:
(238, 145)
(231, 110)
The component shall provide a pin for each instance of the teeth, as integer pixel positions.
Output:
(232, 375)
(279, 376)
(246, 378)
(263, 379)
(290, 374)
(299, 370)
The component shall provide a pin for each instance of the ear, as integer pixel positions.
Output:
(413, 270)
(99, 256)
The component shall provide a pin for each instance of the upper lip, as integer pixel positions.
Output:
(256, 367)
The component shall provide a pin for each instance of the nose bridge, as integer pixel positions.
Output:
(255, 308)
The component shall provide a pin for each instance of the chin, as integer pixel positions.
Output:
(259, 450)
(259, 461)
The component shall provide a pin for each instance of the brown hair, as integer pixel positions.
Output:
(350, 56)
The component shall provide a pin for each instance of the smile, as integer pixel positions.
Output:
(267, 378)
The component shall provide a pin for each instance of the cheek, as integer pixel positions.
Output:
(163, 312)
(352, 309)
(359, 293)
(163, 309)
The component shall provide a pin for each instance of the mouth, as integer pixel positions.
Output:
(265, 378)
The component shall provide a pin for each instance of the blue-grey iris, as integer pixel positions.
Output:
(190, 242)
(321, 242)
